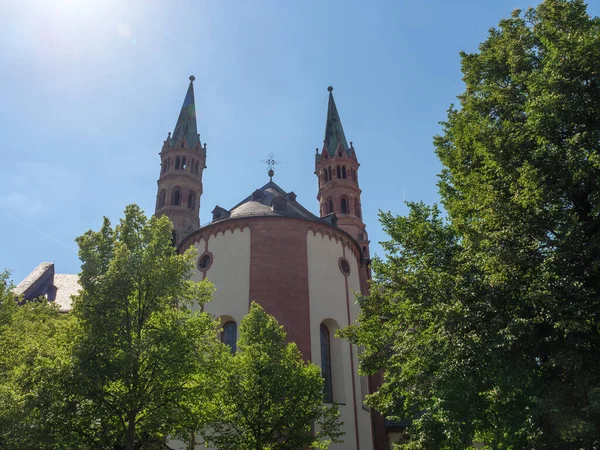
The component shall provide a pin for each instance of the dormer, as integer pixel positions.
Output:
(220, 213)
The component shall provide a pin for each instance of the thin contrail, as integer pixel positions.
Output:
(40, 232)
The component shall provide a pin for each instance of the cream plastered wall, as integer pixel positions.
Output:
(327, 296)
(364, 417)
(229, 272)
(231, 255)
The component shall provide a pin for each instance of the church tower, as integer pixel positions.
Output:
(336, 167)
(183, 159)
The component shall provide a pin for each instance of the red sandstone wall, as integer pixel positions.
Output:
(279, 276)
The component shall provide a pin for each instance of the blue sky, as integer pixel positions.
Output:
(90, 89)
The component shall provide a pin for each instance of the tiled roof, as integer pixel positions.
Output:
(67, 285)
(56, 287)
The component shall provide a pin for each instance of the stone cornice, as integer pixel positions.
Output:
(233, 223)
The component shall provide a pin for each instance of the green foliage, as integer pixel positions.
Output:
(492, 325)
(144, 360)
(272, 399)
(34, 362)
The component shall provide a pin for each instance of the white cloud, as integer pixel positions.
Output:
(16, 201)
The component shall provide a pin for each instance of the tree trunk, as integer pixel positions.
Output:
(130, 434)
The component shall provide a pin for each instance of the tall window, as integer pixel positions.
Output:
(177, 163)
(229, 335)
(329, 173)
(183, 166)
(339, 172)
(329, 206)
(177, 197)
(191, 200)
(356, 208)
(161, 198)
(326, 365)
(344, 205)
(343, 171)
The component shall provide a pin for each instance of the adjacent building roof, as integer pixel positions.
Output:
(44, 282)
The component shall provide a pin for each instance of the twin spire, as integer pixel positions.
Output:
(186, 123)
(187, 128)
(334, 133)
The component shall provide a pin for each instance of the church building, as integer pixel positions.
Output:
(303, 268)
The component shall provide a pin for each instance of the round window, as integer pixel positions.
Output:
(204, 261)
(344, 266)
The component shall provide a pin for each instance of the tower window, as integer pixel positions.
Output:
(326, 365)
(229, 335)
(177, 163)
(329, 173)
(197, 170)
(329, 206)
(339, 172)
(324, 175)
(357, 209)
(343, 171)
(183, 166)
(161, 198)
(177, 197)
(191, 200)
(344, 206)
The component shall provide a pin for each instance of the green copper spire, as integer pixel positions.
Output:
(334, 133)
(186, 123)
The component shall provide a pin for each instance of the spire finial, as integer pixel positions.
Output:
(271, 162)
(192, 77)
(330, 88)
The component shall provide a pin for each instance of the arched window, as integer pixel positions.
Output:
(329, 206)
(343, 171)
(357, 208)
(191, 200)
(197, 167)
(164, 166)
(344, 205)
(229, 335)
(324, 177)
(183, 166)
(329, 173)
(161, 198)
(177, 197)
(326, 364)
(177, 163)
(339, 172)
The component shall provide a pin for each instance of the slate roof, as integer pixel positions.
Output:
(270, 200)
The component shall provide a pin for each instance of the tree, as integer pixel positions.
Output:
(144, 362)
(272, 399)
(34, 362)
(492, 318)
